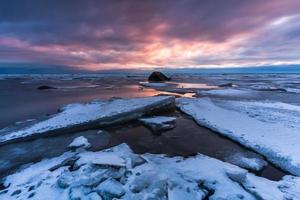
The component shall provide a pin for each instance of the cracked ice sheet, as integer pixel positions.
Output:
(74, 115)
(270, 128)
(158, 177)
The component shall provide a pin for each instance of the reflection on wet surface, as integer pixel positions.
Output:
(19, 102)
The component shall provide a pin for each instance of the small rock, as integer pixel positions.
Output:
(158, 77)
(46, 87)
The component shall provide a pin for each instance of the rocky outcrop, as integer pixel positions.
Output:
(158, 77)
(46, 87)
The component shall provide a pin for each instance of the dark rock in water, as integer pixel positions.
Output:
(226, 85)
(174, 95)
(158, 77)
(273, 89)
(46, 87)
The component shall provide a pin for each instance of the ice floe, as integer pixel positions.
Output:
(80, 142)
(159, 123)
(293, 90)
(157, 177)
(270, 128)
(247, 161)
(75, 117)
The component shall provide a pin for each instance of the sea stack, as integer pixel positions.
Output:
(158, 77)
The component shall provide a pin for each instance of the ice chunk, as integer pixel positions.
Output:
(159, 123)
(80, 141)
(272, 129)
(101, 158)
(82, 116)
(260, 188)
(160, 177)
(247, 161)
(80, 192)
(94, 196)
(110, 189)
(40, 169)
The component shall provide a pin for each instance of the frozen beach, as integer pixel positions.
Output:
(215, 136)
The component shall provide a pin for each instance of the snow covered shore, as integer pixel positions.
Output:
(270, 128)
(119, 173)
(76, 117)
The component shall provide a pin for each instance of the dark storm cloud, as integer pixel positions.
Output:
(118, 32)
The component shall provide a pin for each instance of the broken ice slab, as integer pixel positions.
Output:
(269, 128)
(78, 117)
(159, 123)
(159, 177)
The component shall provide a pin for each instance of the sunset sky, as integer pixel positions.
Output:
(111, 34)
